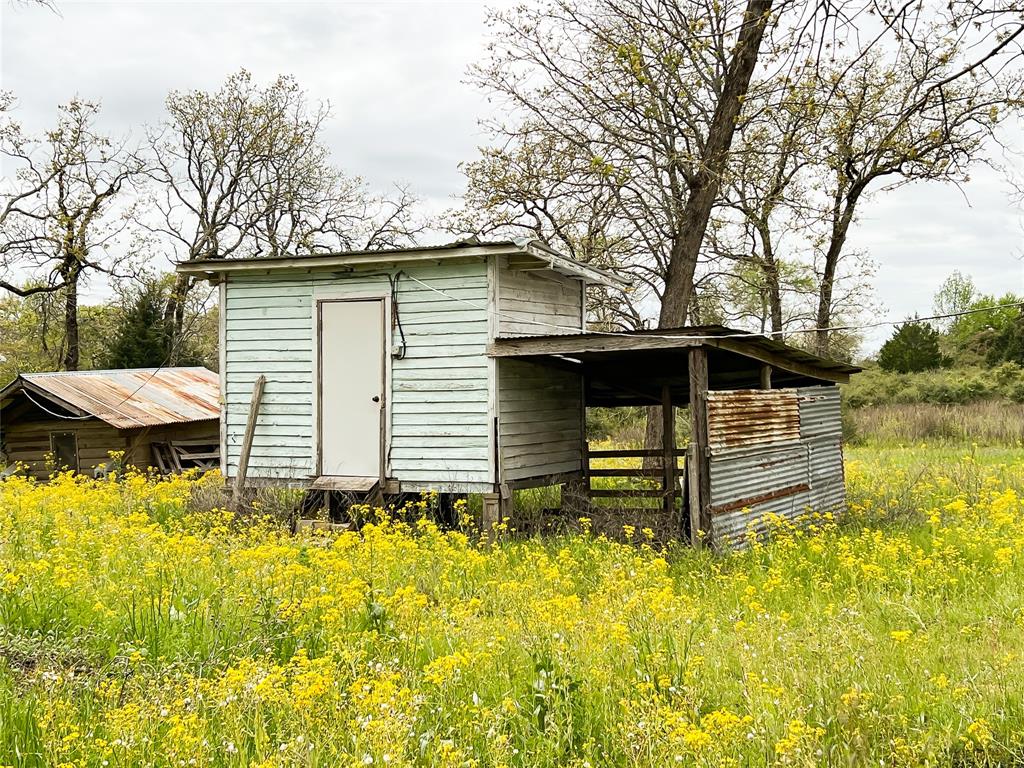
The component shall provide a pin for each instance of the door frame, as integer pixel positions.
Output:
(321, 296)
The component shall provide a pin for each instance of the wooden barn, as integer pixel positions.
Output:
(163, 418)
(468, 368)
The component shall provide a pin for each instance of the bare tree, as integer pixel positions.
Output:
(926, 114)
(242, 172)
(65, 211)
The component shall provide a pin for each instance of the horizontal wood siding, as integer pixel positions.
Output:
(438, 390)
(540, 428)
(29, 443)
(537, 302)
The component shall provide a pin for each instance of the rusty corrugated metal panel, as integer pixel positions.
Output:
(792, 475)
(741, 418)
(144, 397)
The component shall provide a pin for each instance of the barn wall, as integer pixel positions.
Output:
(439, 416)
(773, 452)
(530, 302)
(28, 442)
(540, 420)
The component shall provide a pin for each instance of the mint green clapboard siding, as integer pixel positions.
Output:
(439, 396)
(540, 429)
(537, 302)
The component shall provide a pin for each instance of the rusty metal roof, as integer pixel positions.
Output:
(128, 399)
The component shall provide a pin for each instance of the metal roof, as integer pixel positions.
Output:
(630, 367)
(128, 399)
(742, 342)
(536, 251)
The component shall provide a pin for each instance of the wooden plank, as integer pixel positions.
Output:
(699, 459)
(627, 493)
(779, 361)
(344, 483)
(631, 453)
(247, 439)
(766, 376)
(585, 342)
(625, 472)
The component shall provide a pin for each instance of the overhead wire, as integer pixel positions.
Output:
(733, 335)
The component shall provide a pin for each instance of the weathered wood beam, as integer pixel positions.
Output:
(250, 433)
(700, 477)
(766, 376)
(577, 344)
(778, 361)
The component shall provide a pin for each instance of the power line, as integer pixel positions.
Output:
(737, 334)
(42, 407)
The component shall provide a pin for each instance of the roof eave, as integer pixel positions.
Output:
(560, 263)
(341, 261)
(212, 268)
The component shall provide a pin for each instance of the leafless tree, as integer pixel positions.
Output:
(925, 114)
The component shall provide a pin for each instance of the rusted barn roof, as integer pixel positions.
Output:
(128, 399)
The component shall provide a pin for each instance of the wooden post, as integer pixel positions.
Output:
(668, 452)
(692, 496)
(497, 507)
(700, 490)
(766, 376)
(250, 432)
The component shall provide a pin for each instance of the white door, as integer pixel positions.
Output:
(351, 387)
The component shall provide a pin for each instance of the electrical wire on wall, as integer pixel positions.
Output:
(396, 312)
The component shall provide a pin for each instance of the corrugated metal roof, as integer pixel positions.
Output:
(126, 399)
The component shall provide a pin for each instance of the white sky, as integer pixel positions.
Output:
(393, 73)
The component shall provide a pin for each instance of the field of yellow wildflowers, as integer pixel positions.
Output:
(136, 630)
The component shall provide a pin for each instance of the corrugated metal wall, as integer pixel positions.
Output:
(779, 470)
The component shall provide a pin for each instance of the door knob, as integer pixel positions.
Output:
(376, 398)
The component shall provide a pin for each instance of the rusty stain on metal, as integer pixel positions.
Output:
(761, 498)
(785, 474)
(127, 399)
(745, 417)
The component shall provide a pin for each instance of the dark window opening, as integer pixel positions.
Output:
(64, 446)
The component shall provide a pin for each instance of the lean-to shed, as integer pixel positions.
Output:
(164, 418)
(467, 368)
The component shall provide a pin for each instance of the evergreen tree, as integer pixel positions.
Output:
(1008, 344)
(142, 340)
(913, 347)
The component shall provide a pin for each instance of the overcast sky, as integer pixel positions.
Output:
(393, 73)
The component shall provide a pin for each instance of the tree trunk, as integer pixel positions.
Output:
(840, 228)
(770, 272)
(705, 186)
(174, 316)
(71, 336)
(653, 436)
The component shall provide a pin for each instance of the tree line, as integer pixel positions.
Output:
(973, 329)
(718, 152)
